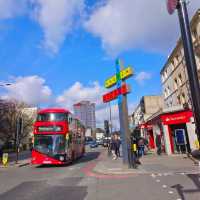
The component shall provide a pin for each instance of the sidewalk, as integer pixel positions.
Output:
(150, 164)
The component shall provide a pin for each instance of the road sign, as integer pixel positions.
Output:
(124, 89)
(124, 74)
(171, 6)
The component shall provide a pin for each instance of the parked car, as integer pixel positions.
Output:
(99, 141)
(88, 140)
(93, 144)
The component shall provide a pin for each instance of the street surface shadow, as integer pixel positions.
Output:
(181, 191)
(53, 189)
(89, 156)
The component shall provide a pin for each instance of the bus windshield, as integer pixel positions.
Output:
(52, 117)
(49, 144)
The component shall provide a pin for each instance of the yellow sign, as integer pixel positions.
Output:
(134, 147)
(196, 144)
(124, 74)
(5, 159)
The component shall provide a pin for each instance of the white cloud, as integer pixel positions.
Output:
(143, 24)
(57, 18)
(142, 77)
(12, 8)
(30, 89)
(78, 92)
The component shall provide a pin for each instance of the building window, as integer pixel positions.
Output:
(179, 100)
(173, 67)
(180, 80)
(183, 100)
(165, 93)
(165, 74)
(168, 91)
(175, 84)
(163, 78)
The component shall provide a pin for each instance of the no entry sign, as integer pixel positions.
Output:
(171, 5)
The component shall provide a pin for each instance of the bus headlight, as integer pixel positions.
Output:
(57, 128)
(61, 158)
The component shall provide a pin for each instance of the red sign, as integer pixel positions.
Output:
(171, 6)
(124, 89)
(177, 118)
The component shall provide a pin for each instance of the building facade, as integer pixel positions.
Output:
(176, 91)
(85, 111)
(175, 123)
(147, 107)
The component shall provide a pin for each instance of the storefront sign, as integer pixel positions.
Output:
(124, 89)
(176, 118)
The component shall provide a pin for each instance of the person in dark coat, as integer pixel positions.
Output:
(158, 144)
(118, 143)
(113, 147)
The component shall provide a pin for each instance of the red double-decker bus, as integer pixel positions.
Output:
(58, 137)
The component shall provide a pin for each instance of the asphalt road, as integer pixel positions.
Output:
(71, 182)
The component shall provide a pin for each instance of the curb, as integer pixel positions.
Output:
(196, 161)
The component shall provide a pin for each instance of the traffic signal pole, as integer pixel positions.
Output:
(190, 63)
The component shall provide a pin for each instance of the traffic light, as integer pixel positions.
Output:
(106, 127)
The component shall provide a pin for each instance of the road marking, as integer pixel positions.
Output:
(157, 180)
(164, 186)
(178, 199)
(170, 192)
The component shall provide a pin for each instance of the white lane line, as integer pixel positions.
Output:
(170, 192)
(178, 199)
(157, 180)
(164, 186)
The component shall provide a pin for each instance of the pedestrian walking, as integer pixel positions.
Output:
(113, 147)
(158, 144)
(141, 147)
(118, 144)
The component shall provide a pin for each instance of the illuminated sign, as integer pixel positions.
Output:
(124, 74)
(124, 89)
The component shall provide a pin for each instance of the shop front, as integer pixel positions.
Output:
(176, 131)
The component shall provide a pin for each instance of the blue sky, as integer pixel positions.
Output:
(56, 53)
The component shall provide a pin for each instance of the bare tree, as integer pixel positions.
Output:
(8, 121)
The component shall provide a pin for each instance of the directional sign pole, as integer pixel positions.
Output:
(123, 116)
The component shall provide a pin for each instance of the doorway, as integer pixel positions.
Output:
(180, 139)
